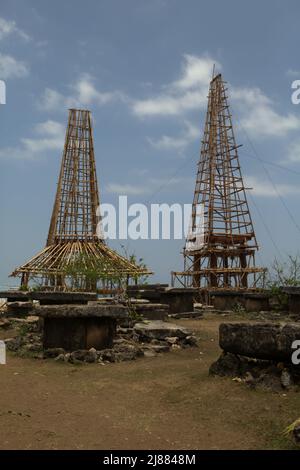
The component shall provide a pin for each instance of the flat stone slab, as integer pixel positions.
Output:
(15, 295)
(158, 329)
(291, 290)
(49, 297)
(180, 290)
(272, 341)
(151, 306)
(63, 297)
(238, 293)
(81, 311)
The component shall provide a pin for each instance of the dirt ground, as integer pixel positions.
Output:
(165, 402)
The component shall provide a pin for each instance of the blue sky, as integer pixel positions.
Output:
(143, 68)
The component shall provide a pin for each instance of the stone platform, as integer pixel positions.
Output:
(293, 299)
(231, 299)
(74, 327)
(49, 297)
(271, 341)
(259, 355)
(178, 299)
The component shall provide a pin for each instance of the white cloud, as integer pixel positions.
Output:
(187, 93)
(258, 115)
(48, 136)
(9, 27)
(10, 67)
(83, 93)
(266, 189)
(293, 154)
(151, 186)
(196, 72)
(127, 189)
(187, 136)
(51, 100)
(293, 73)
(168, 105)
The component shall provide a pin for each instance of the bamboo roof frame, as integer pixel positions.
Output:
(73, 227)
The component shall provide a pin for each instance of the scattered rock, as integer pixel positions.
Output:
(296, 433)
(172, 339)
(91, 356)
(107, 355)
(19, 308)
(67, 357)
(157, 348)
(228, 365)
(13, 344)
(32, 347)
(5, 323)
(158, 329)
(268, 382)
(60, 358)
(257, 374)
(149, 353)
(52, 353)
(191, 340)
(139, 301)
(194, 314)
(132, 341)
(286, 379)
(79, 355)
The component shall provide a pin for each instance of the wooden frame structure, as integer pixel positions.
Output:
(221, 243)
(72, 237)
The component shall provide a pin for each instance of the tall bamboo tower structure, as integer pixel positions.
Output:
(220, 248)
(74, 251)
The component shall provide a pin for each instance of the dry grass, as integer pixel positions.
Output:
(167, 402)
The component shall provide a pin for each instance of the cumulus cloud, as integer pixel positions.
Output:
(150, 186)
(264, 188)
(258, 113)
(293, 73)
(186, 93)
(83, 92)
(259, 116)
(47, 136)
(188, 135)
(8, 27)
(12, 68)
(126, 189)
(293, 154)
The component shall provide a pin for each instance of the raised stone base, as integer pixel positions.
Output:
(19, 309)
(78, 333)
(152, 311)
(293, 299)
(79, 326)
(260, 340)
(178, 299)
(49, 297)
(231, 300)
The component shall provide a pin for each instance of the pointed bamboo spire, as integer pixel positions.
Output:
(221, 244)
(75, 256)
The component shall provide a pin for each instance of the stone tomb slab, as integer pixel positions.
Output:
(74, 327)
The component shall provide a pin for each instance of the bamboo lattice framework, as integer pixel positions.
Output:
(221, 244)
(75, 252)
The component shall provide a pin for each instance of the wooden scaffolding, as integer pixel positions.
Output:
(76, 253)
(221, 244)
